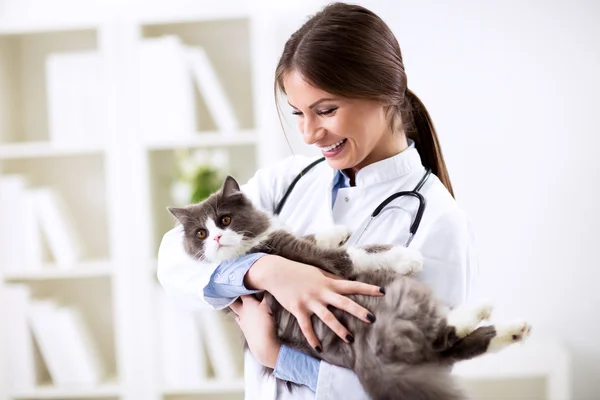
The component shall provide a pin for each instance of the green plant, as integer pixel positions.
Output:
(199, 174)
(205, 181)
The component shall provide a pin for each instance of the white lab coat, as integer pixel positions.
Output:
(444, 238)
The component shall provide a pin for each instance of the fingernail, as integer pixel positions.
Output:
(318, 349)
(371, 317)
(382, 290)
(350, 338)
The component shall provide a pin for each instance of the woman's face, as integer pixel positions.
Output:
(350, 133)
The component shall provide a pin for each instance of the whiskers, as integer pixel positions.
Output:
(200, 256)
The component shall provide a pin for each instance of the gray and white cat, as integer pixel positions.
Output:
(407, 353)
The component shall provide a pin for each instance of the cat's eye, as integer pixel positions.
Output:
(201, 234)
(226, 220)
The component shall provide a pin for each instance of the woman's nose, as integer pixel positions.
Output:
(312, 132)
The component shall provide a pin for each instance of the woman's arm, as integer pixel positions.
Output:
(295, 366)
(182, 277)
(227, 282)
(260, 331)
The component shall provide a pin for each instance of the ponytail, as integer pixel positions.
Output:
(426, 141)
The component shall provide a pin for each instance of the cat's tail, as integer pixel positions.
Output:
(405, 381)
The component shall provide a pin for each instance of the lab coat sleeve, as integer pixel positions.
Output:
(182, 277)
(450, 265)
(338, 383)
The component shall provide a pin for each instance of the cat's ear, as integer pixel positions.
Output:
(230, 186)
(182, 214)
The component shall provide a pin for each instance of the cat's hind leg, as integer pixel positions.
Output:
(509, 333)
(465, 318)
(487, 339)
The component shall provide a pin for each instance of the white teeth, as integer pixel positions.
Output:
(333, 146)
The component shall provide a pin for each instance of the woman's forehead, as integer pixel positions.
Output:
(300, 92)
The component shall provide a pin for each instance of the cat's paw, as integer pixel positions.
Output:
(507, 334)
(332, 238)
(466, 318)
(396, 258)
(483, 310)
(405, 261)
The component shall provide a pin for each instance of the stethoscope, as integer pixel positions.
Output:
(412, 193)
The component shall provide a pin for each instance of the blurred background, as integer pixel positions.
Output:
(110, 111)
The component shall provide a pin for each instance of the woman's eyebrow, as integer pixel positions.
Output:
(316, 103)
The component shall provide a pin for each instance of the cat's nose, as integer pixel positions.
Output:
(218, 237)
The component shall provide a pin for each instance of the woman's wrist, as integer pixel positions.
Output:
(272, 356)
(261, 273)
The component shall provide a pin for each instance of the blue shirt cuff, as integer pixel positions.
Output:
(227, 281)
(295, 366)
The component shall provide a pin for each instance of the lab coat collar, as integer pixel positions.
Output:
(396, 166)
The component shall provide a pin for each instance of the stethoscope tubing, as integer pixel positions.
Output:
(414, 227)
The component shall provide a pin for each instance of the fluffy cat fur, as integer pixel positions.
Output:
(407, 353)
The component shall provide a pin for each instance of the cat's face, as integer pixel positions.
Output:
(224, 226)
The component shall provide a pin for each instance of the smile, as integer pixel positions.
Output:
(334, 146)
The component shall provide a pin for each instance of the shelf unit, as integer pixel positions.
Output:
(104, 392)
(50, 272)
(14, 151)
(117, 184)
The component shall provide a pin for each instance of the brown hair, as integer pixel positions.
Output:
(350, 52)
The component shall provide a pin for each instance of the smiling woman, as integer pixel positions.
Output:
(343, 76)
(351, 133)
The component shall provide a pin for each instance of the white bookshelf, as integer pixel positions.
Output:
(45, 149)
(49, 272)
(205, 140)
(209, 387)
(105, 391)
(116, 184)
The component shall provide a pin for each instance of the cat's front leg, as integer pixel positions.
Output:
(400, 259)
(330, 238)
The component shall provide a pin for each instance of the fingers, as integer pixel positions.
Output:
(355, 287)
(332, 322)
(308, 331)
(343, 303)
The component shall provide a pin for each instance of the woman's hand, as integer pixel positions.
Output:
(305, 290)
(258, 326)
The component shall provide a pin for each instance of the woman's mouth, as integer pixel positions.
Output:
(334, 149)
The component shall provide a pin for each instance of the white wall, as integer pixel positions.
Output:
(513, 90)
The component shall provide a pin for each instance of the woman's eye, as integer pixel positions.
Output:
(201, 234)
(226, 220)
(296, 113)
(328, 111)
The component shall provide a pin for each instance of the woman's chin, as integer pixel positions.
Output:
(340, 163)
